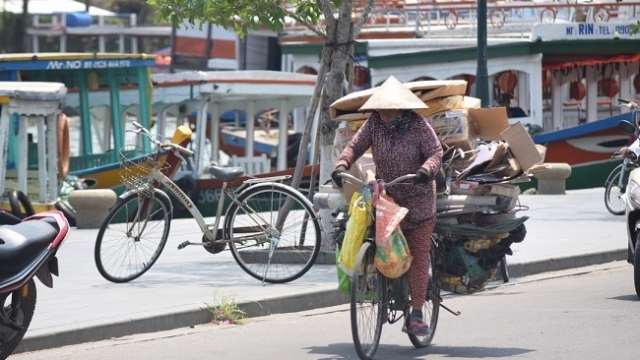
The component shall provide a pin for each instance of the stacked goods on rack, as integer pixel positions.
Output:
(476, 215)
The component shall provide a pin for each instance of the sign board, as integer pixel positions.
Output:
(581, 31)
(75, 64)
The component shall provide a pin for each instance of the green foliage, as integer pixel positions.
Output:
(241, 15)
(227, 311)
(635, 28)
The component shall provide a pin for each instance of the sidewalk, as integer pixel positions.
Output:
(563, 231)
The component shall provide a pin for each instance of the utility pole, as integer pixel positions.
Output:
(86, 5)
(482, 74)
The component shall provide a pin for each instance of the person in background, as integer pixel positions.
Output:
(402, 142)
(512, 111)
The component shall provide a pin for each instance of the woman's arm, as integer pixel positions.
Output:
(360, 142)
(430, 149)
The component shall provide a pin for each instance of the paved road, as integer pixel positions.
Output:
(593, 315)
(564, 231)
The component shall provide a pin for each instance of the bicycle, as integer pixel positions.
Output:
(271, 228)
(376, 299)
(616, 183)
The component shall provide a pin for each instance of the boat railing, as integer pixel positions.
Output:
(426, 16)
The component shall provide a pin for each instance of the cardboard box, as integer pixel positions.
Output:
(452, 126)
(521, 146)
(490, 122)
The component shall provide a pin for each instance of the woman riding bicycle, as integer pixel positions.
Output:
(402, 142)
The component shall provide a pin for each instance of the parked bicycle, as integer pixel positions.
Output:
(616, 183)
(376, 299)
(271, 228)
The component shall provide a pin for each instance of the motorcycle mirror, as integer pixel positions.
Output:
(626, 127)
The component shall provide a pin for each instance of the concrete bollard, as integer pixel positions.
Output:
(91, 206)
(552, 180)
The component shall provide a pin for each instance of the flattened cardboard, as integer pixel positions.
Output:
(490, 122)
(351, 117)
(521, 146)
(457, 87)
(472, 103)
(352, 102)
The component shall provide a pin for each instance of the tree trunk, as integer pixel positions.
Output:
(334, 91)
(23, 24)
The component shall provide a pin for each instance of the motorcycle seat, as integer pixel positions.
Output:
(20, 243)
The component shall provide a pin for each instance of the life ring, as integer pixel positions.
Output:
(67, 211)
(63, 146)
(18, 198)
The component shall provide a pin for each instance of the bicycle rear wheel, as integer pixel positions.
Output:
(266, 245)
(613, 193)
(368, 307)
(132, 236)
(431, 307)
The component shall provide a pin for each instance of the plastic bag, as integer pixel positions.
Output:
(388, 216)
(344, 281)
(357, 227)
(393, 257)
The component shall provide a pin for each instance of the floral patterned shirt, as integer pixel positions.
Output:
(398, 149)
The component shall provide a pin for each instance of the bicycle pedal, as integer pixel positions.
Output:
(183, 245)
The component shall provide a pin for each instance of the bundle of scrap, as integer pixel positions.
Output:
(476, 217)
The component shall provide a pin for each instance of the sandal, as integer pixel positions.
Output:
(418, 327)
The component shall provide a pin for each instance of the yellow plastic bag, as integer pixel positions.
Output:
(357, 227)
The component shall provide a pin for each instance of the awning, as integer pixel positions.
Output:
(590, 61)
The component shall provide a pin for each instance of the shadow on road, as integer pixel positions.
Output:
(347, 351)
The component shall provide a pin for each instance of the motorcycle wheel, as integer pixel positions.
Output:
(613, 194)
(636, 266)
(10, 338)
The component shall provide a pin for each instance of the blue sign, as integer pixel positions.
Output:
(76, 64)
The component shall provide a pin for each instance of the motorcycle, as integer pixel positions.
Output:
(615, 186)
(27, 250)
(632, 198)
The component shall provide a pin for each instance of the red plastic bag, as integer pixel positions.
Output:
(388, 216)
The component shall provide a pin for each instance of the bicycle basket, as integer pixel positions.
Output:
(137, 168)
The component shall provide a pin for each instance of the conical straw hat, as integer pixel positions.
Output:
(393, 95)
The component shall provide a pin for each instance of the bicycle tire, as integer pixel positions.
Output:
(120, 259)
(431, 307)
(616, 208)
(291, 258)
(363, 293)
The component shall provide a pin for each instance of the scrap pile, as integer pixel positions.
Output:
(484, 159)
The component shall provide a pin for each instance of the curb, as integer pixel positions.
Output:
(279, 305)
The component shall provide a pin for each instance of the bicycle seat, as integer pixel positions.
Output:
(226, 173)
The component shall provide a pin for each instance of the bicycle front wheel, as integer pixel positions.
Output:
(613, 192)
(368, 307)
(273, 232)
(431, 307)
(132, 237)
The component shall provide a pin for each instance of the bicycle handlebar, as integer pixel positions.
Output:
(627, 102)
(396, 181)
(142, 130)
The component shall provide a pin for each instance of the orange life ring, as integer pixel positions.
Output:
(63, 146)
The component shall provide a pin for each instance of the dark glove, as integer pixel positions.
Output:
(422, 177)
(335, 175)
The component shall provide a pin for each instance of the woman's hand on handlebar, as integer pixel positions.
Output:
(336, 175)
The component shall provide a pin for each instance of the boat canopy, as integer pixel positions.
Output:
(93, 80)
